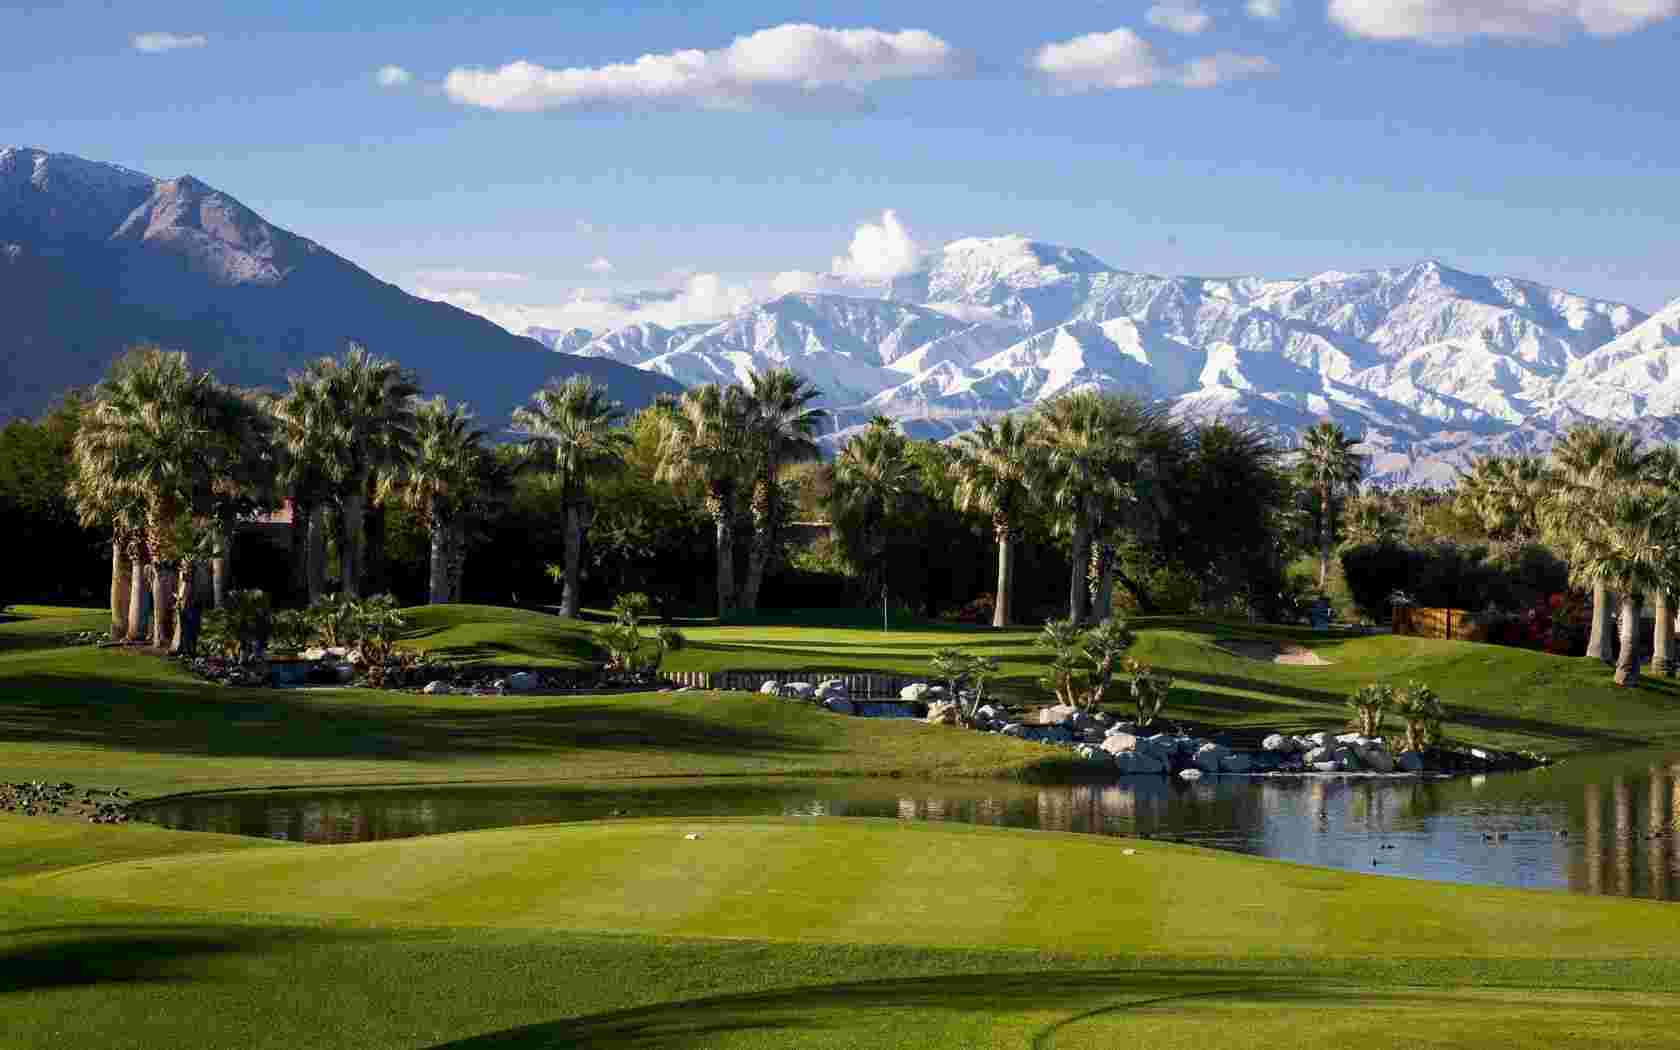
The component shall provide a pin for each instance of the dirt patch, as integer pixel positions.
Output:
(1274, 652)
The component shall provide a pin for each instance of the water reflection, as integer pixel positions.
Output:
(1592, 826)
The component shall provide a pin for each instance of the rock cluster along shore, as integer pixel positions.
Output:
(1109, 743)
(36, 798)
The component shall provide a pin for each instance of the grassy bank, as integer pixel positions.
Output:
(792, 933)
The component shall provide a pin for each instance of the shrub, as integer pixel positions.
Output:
(1422, 710)
(291, 630)
(1369, 707)
(671, 639)
(241, 627)
(333, 617)
(376, 624)
(1083, 659)
(1150, 689)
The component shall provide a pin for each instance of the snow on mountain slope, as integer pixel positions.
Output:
(565, 340)
(1634, 375)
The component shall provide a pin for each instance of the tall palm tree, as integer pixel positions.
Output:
(1631, 550)
(783, 426)
(994, 469)
(102, 501)
(873, 478)
(1664, 479)
(1329, 465)
(160, 434)
(705, 440)
(370, 423)
(307, 465)
(573, 427)
(1505, 495)
(437, 482)
(1592, 465)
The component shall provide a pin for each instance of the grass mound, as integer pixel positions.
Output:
(491, 634)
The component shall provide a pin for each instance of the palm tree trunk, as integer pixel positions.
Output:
(1627, 663)
(571, 592)
(1323, 537)
(1598, 642)
(457, 557)
(165, 580)
(1005, 574)
(315, 559)
(352, 541)
(764, 538)
(725, 564)
(189, 593)
(1079, 585)
(1662, 635)
(221, 568)
(299, 551)
(137, 599)
(437, 576)
(1102, 585)
(373, 550)
(120, 584)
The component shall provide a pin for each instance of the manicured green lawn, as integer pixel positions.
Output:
(794, 933)
(488, 634)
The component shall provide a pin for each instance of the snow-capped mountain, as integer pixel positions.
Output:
(1432, 365)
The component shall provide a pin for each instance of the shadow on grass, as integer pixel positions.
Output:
(69, 956)
(835, 1008)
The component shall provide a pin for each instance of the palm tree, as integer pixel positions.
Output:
(572, 425)
(369, 417)
(1329, 465)
(1664, 478)
(1505, 495)
(437, 481)
(161, 435)
(705, 440)
(873, 478)
(1630, 549)
(104, 501)
(782, 425)
(306, 475)
(994, 469)
(1593, 465)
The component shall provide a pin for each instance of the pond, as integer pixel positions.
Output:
(1592, 825)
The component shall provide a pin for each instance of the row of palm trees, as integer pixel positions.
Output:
(1613, 508)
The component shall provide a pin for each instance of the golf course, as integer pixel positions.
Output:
(764, 931)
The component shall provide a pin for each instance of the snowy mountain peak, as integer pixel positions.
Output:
(214, 234)
(54, 196)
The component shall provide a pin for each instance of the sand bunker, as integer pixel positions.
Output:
(1274, 652)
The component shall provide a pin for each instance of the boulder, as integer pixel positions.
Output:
(1235, 763)
(1279, 742)
(799, 690)
(1210, 757)
(1016, 730)
(1138, 763)
(1189, 774)
(915, 692)
(944, 713)
(1056, 735)
(1331, 766)
(1323, 739)
(1162, 744)
(1318, 754)
(1095, 755)
(1352, 738)
(345, 673)
(839, 705)
(989, 713)
(437, 689)
(1376, 758)
(1410, 761)
(1348, 759)
(522, 682)
(770, 689)
(1268, 761)
(1061, 714)
(1116, 741)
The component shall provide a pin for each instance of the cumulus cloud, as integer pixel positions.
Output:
(806, 281)
(785, 65)
(1122, 59)
(1443, 22)
(1185, 18)
(703, 297)
(600, 265)
(1213, 70)
(393, 76)
(1267, 10)
(880, 251)
(157, 43)
(458, 277)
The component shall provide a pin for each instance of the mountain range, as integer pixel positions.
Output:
(95, 258)
(1429, 365)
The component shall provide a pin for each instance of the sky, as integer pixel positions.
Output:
(538, 162)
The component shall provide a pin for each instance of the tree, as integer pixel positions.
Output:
(437, 481)
(705, 441)
(571, 425)
(994, 467)
(1593, 466)
(1329, 465)
(873, 478)
(368, 418)
(160, 434)
(1505, 495)
(307, 468)
(1631, 549)
(782, 426)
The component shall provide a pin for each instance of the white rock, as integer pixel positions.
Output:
(1090, 753)
(1060, 714)
(437, 689)
(522, 682)
(1116, 742)
(691, 836)
(1279, 742)
(839, 705)
(915, 692)
(1015, 729)
(944, 712)
(1189, 774)
(1318, 754)
(799, 690)
(1210, 757)
(1323, 739)
(1140, 763)
(1376, 758)
(770, 689)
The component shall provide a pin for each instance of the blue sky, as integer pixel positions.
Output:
(1531, 137)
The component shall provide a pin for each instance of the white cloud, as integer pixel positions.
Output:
(600, 265)
(157, 43)
(1268, 10)
(1119, 59)
(805, 281)
(788, 64)
(393, 76)
(455, 277)
(880, 251)
(704, 297)
(1444, 22)
(1185, 18)
(1213, 70)
(1122, 59)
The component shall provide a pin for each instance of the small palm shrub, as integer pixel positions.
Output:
(333, 617)
(957, 668)
(376, 624)
(1083, 659)
(1105, 646)
(1422, 710)
(240, 629)
(1150, 689)
(627, 648)
(1369, 708)
(670, 639)
(292, 630)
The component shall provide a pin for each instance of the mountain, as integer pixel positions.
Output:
(95, 257)
(1430, 364)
